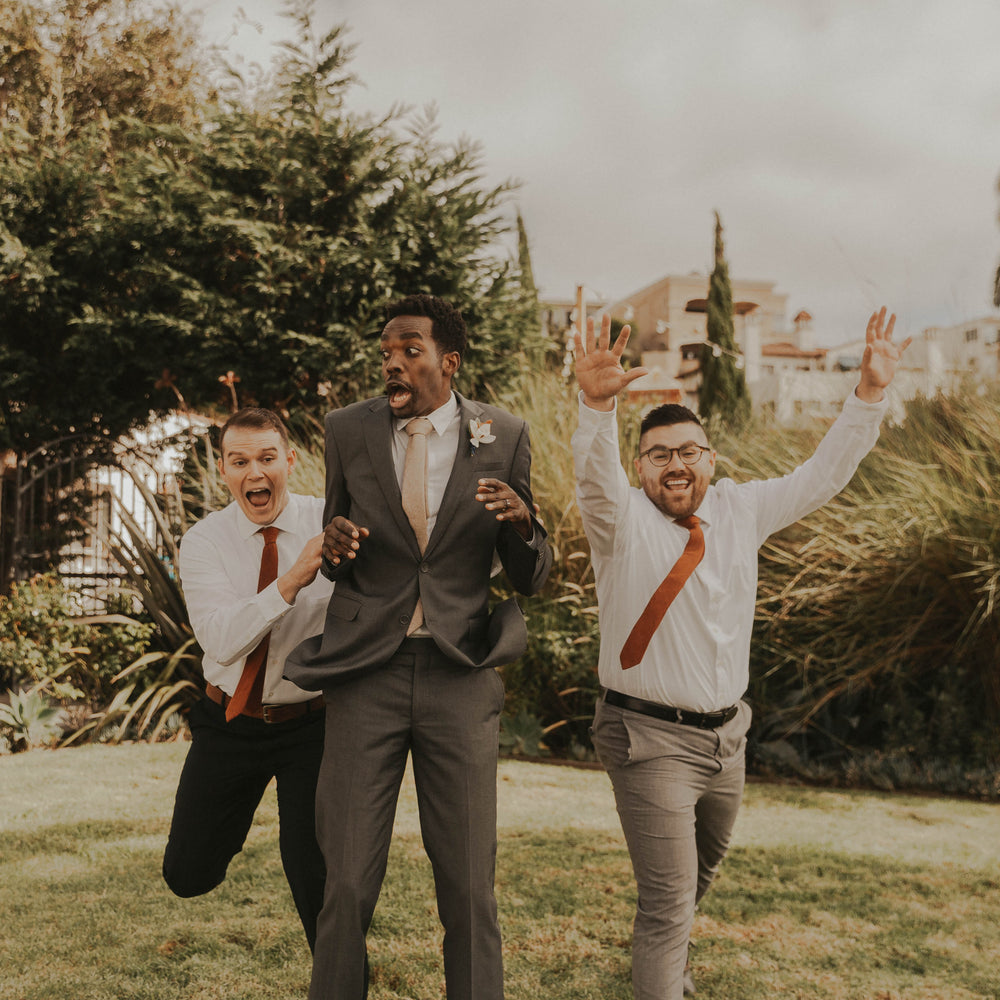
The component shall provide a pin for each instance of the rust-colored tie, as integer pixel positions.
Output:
(638, 639)
(247, 699)
(414, 491)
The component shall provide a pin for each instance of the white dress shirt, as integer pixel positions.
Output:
(219, 567)
(699, 657)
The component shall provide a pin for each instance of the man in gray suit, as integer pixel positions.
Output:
(416, 510)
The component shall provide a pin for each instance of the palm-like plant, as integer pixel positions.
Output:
(148, 699)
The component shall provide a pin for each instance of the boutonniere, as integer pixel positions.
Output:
(479, 433)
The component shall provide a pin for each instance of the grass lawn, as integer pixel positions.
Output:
(825, 894)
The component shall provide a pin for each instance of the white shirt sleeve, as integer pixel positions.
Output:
(228, 624)
(602, 487)
(783, 501)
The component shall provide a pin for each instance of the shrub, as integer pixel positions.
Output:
(43, 641)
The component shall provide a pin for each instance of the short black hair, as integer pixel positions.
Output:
(666, 415)
(255, 418)
(447, 326)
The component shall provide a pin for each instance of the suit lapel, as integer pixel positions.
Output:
(378, 429)
(462, 481)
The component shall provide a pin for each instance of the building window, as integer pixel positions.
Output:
(971, 335)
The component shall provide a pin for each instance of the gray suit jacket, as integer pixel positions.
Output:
(375, 593)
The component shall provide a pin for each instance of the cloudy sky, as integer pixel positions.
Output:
(852, 147)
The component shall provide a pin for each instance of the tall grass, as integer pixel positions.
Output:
(875, 654)
(874, 657)
(877, 644)
(555, 682)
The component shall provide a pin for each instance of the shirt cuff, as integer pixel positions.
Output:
(854, 406)
(271, 604)
(596, 417)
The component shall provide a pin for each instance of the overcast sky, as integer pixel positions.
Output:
(852, 147)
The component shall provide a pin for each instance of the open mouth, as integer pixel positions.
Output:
(676, 485)
(259, 498)
(399, 394)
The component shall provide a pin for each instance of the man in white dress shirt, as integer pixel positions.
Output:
(675, 563)
(242, 737)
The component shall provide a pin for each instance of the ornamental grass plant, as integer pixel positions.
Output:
(874, 659)
(876, 653)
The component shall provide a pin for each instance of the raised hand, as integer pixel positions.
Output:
(881, 357)
(599, 365)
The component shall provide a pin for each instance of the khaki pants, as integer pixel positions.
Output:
(678, 790)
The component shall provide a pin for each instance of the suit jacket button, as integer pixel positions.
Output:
(425, 568)
(404, 619)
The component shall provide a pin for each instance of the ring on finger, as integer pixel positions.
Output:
(506, 503)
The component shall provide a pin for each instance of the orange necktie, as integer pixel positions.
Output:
(638, 639)
(247, 700)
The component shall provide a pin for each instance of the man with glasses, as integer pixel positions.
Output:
(675, 563)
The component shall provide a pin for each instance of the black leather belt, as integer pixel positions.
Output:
(270, 713)
(701, 720)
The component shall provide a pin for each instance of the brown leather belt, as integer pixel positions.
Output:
(270, 713)
(701, 720)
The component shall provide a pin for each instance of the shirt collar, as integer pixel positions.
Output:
(706, 511)
(285, 521)
(441, 418)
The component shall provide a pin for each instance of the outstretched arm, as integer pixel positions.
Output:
(881, 357)
(599, 365)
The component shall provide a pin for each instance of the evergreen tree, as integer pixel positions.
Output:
(527, 274)
(722, 395)
(996, 278)
(67, 64)
(140, 260)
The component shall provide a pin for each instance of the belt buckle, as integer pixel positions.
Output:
(680, 717)
(265, 712)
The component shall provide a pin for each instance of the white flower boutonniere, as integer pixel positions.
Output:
(479, 433)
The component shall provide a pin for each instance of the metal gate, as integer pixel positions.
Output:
(58, 513)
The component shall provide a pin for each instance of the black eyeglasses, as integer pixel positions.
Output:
(690, 454)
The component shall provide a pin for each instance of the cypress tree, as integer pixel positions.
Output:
(722, 396)
(525, 270)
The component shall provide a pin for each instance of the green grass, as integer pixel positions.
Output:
(826, 894)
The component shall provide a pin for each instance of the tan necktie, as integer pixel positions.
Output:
(638, 639)
(414, 491)
(247, 699)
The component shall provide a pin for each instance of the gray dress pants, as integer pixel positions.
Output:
(677, 789)
(447, 717)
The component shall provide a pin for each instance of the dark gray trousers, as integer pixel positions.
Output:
(447, 717)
